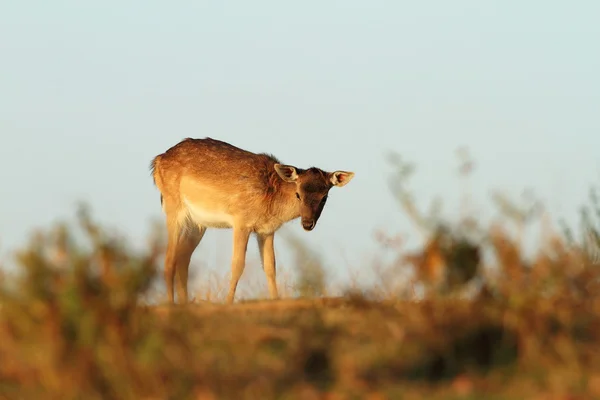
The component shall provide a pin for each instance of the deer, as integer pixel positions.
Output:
(209, 183)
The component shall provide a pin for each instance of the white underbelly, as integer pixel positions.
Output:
(208, 218)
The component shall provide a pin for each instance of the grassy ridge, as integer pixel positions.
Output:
(71, 327)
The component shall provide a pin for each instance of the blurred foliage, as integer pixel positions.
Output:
(310, 269)
(69, 305)
(589, 228)
(73, 324)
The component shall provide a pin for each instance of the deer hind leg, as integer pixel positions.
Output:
(267, 255)
(238, 259)
(188, 241)
(173, 231)
(181, 235)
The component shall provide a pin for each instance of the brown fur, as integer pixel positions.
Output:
(207, 183)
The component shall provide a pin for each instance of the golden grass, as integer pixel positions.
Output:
(77, 330)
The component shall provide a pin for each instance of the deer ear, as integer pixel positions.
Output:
(286, 172)
(340, 178)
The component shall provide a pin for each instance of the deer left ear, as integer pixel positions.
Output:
(340, 178)
(286, 172)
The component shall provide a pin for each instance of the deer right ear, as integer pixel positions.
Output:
(341, 178)
(286, 172)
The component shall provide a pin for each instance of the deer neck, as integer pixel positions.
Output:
(285, 206)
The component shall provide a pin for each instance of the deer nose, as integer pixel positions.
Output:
(308, 225)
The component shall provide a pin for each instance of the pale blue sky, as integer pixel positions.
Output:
(90, 92)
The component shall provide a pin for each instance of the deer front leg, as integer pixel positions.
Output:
(267, 255)
(238, 259)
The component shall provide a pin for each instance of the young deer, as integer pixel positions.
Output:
(207, 183)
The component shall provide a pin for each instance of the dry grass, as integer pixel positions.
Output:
(75, 329)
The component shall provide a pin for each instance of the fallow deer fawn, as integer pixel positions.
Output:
(207, 183)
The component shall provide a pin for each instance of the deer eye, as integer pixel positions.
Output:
(298, 195)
